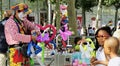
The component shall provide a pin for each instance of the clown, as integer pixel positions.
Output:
(15, 32)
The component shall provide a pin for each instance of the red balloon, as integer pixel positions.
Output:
(64, 43)
(49, 46)
(53, 32)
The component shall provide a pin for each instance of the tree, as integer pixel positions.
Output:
(72, 16)
(116, 4)
(98, 12)
(71, 13)
(86, 6)
(57, 12)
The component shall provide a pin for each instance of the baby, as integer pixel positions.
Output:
(111, 46)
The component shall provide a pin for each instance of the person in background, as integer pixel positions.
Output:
(117, 35)
(101, 35)
(111, 47)
(15, 33)
(3, 44)
(6, 16)
(118, 24)
(90, 31)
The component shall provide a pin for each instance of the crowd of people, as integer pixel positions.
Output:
(106, 47)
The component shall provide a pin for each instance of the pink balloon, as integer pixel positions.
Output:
(83, 64)
(63, 7)
(76, 60)
(75, 64)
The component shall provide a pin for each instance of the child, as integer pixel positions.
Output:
(111, 46)
(83, 50)
(77, 41)
(77, 54)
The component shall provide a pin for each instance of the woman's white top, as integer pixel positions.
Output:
(100, 55)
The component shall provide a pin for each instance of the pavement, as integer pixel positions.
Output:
(48, 62)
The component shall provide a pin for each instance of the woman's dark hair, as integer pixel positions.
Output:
(105, 28)
(76, 39)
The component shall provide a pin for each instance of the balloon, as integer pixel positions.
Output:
(43, 38)
(64, 34)
(53, 31)
(31, 62)
(54, 44)
(64, 43)
(77, 48)
(32, 44)
(63, 7)
(42, 44)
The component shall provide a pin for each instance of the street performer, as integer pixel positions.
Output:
(16, 34)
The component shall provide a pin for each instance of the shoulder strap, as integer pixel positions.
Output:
(20, 26)
(17, 24)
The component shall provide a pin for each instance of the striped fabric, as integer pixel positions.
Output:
(12, 33)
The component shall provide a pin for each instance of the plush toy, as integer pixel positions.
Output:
(87, 50)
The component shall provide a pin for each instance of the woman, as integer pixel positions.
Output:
(101, 35)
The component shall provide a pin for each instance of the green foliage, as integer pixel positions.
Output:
(53, 1)
(61, 1)
(110, 2)
(32, 0)
(116, 3)
(86, 4)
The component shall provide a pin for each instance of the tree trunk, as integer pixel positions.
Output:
(98, 13)
(57, 14)
(1, 8)
(84, 21)
(72, 16)
(116, 18)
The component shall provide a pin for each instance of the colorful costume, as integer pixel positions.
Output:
(15, 32)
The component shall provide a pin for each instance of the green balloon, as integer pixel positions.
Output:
(31, 62)
(77, 48)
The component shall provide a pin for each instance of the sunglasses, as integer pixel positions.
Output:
(101, 36)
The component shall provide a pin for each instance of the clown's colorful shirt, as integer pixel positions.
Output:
(12, 32)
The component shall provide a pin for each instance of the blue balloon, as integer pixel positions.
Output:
(37, 48)
(65, 21)
(54, 44)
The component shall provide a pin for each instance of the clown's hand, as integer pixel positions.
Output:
(34, 32)
(33, 35)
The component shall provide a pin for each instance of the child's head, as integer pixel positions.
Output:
(77, 40)
(111, 45)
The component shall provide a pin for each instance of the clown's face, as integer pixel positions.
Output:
(22, 15)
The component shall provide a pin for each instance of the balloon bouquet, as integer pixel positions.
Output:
(64, 31)
(45, 39)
